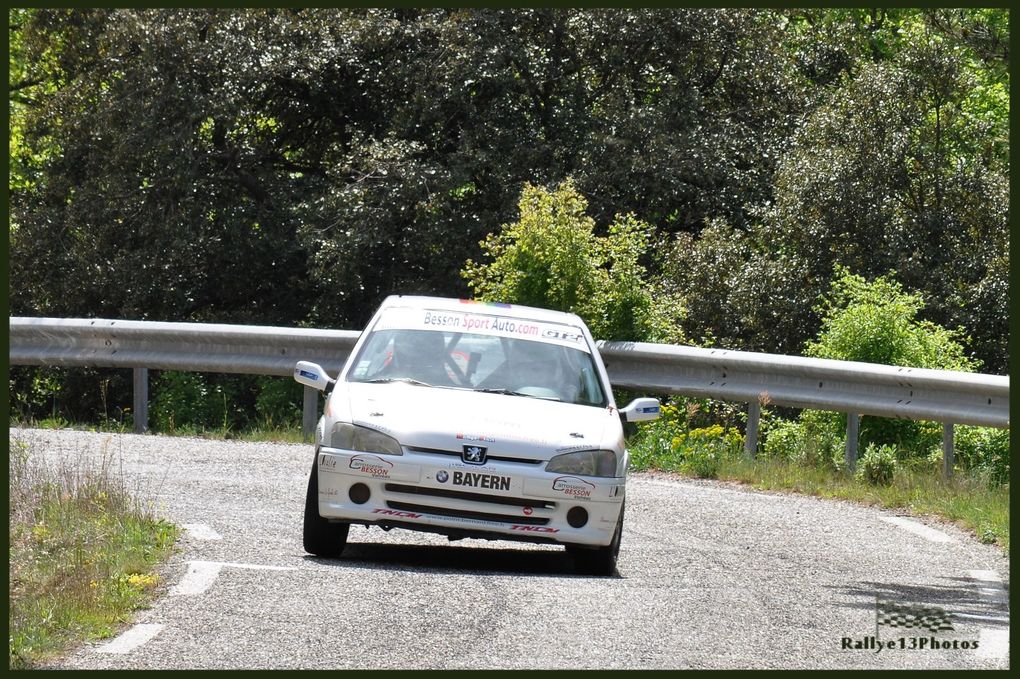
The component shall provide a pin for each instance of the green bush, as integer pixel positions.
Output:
(810, 440)
(35, 392)
(701, 451)
(279, 401)
(551, 258)
(192, 402)
(877, 322)
(702, 463)
(878, 465)
(179, 399)
(671, 443)
(982, 450)
(781, 439)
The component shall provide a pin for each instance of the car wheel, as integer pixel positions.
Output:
(601, 560)
(321, 537)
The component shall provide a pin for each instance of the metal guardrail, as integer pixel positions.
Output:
(755, 378)
(197, 347)
(192, 347)
(849, 387)
(821, 384)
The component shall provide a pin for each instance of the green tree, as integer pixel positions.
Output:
(162, 202)
(551, 258)
(188, 161)
(900, 166)
(878, 321)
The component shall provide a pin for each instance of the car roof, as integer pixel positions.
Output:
(476, 306)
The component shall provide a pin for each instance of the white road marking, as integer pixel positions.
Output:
(989, 586)
(200, 577)
(982, 618)
(131, 639)
(251, 566)
(993, 643)
(200, 531)
(918, 529)
(202, 574)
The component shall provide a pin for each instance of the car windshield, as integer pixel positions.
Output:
(480, 362)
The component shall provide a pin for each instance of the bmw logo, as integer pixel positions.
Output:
(442, 476)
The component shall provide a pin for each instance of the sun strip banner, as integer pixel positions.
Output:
(483, 324)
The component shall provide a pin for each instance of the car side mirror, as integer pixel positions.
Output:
(312, 375)
(641, 410)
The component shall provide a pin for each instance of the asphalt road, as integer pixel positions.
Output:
(710, 576)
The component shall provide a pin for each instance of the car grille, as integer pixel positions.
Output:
(471, 497)
(458, 454)
(467, 514)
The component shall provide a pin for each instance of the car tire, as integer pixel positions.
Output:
(321, 537)
(601, 560)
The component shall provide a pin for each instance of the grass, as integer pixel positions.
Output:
(969, 501)
(266, 431)
(82, 554)
(966, 501)
(259, 432)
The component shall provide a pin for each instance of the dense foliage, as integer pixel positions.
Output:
(551, 258)
(871, 321)
(877, 322)
(902, 164)
(294, 166)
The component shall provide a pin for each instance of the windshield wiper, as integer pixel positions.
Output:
(408, 380)
(511, 392)
(501, 390)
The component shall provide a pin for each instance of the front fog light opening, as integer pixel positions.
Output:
(359, 493)
(577, 517)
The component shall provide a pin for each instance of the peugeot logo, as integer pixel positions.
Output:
(474, 454)
(442, 476)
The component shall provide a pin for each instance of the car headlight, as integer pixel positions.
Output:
(363, 439)
(585, 463)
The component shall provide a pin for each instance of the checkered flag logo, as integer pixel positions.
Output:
(911, 616)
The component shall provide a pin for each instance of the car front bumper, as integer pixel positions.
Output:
(434, 491)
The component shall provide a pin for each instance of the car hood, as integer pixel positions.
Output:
(448, 419)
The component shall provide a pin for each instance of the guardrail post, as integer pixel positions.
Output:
(947, 449)
(141, 400)
(751, 436)
(853, 430)
(310, 413)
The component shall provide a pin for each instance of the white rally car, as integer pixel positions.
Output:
(472, 419)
